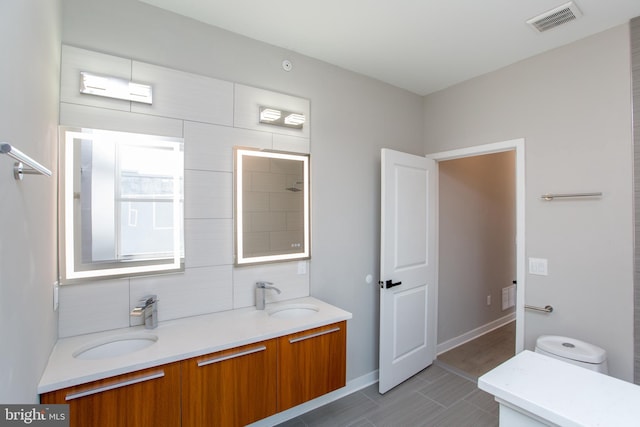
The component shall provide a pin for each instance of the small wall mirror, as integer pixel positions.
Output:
(271, 206)
(121, 204)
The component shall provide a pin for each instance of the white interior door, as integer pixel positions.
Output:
(407, 267)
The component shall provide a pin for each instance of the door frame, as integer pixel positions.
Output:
(516, 145)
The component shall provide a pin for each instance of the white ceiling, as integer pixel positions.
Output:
(419, 45)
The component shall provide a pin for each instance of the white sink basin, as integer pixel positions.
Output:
(291, 311)
(115, 346)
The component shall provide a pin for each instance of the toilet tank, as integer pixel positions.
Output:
(573, 351)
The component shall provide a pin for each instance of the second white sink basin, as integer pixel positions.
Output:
(115, 346)
(291, 311)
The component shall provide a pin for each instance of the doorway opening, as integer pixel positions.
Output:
(480, 256)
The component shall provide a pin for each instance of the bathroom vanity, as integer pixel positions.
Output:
(536, 390)
(230, 368)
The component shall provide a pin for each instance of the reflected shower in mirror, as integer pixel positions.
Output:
(271, 206)
(121, 202)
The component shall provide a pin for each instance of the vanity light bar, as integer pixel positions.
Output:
(274, 116)
(114, 87)
(268, 115)
(294, 119)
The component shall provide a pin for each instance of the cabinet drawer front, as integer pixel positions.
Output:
(230, 388)
(123, 383)
(140, 399)
(310, 364)
(313, 335)
(232, 356)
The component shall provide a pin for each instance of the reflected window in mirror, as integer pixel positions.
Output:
(271, 206)
(121, 204)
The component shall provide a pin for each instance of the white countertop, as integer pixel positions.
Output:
(564, 394)
(178, 340)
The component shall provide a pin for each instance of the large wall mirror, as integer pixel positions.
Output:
(121, 204)
(271, 206)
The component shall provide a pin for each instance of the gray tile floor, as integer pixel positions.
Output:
(434, 397)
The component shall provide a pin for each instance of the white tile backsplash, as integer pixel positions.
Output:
(101, 118)
(202, 111)
(284, 276)
(291, 143)
(208, 194)
(210, 147)
(184, 95)
(92, 307)
(208, 242)
(192, 292)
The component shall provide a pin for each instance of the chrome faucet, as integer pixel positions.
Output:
(147, 307)
(260, 291)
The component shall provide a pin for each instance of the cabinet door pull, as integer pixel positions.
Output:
(152, 376)
(232, 356)
(317, 334)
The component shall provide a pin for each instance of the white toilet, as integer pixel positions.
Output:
(573, 351)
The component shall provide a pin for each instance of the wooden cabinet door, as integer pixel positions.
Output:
(150, 397)
(230, 388)
(311, 363)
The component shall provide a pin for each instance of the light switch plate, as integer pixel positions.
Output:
(538, 266)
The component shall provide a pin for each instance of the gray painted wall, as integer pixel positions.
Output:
(573, 107)
(477, 234)
(29, 81)
(635, 62)
(352, 118)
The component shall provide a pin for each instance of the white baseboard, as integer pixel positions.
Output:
(475, 333)
(351, 387)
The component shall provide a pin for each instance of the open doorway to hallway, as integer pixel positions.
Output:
(480, 355)
(477, 261)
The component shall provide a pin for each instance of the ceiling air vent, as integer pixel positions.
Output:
(555, 17)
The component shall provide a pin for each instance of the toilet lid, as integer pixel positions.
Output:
(571, 348)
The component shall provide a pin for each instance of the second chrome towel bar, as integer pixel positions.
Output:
(548, 197)
(32, 167)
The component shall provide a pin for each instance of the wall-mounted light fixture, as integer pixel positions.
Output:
(114, 87)
(277, 117)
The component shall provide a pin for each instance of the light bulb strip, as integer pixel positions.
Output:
(277, 117)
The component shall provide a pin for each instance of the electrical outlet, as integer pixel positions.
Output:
(302, 267)
(488, 299)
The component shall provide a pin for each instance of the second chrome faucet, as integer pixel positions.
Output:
(261, 288)
(147, 308)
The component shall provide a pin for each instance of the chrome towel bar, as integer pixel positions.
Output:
(548, 197)
(545, 309)
(18, 170)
